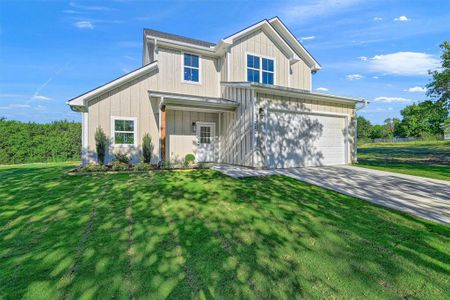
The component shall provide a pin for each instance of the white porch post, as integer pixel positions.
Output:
(84, 137)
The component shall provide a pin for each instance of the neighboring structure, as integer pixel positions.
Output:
(246, 100)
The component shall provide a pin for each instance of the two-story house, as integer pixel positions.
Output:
(246, 100)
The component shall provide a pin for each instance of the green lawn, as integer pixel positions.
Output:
(428, 159)
(199, 234)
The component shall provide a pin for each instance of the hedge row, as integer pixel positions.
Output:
(32, 142)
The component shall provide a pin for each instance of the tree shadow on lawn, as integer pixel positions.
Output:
(201, 234)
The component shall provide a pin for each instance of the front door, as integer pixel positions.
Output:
(205, 142)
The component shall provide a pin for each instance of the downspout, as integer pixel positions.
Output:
(355, 144)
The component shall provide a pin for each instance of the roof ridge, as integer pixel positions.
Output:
(177, 37)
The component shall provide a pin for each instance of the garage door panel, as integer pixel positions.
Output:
(301, 140)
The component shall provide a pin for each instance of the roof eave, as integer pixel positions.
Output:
(81, 100)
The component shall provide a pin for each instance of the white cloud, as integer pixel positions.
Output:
(416, 89)
(391, 99)
(311, 10)
(40, 97)
(404, 63)
(354, 77)
(363, 58)
(41, 108)
(376, 19)
(374, 110)
(322, 89)
(84, 25)
(307, 38)
(402, 19)
(375, 77)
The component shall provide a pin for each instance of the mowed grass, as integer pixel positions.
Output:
(199, 234)
(427, 159)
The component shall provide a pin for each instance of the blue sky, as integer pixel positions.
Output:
(51, 51)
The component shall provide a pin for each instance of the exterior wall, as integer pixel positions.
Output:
(170, 77)
(267, 102)
(128, 100)
(301, 77)
(257, 43)
(237, 138)
(181, 139)
(297, 75)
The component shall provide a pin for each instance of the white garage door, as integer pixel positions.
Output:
(302, 140)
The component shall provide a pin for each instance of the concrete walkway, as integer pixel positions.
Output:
(423, 197)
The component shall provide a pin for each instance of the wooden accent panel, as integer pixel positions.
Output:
(163, 132)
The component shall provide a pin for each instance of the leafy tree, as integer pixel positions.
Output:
(423, 119)
(377, 132)
(390, 127)
(147, 148)
(101, 143)
(439, 87)
(364, 128)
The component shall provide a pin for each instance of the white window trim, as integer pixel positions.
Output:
(199, 68)
(113, 131)
(260, 67)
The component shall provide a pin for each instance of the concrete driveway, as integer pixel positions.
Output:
(423, 197)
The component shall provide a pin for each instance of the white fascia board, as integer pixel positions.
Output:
(294, 93)
(80, 100)
(182, 44)
(270, 30)
(275, 22)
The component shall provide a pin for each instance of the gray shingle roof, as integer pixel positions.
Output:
(179, 38)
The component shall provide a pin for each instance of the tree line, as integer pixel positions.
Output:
(31, 142)
(427, 119)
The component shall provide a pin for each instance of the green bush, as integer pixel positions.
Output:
(31, 142)
(189, 158)
(122, 157)
(120, 166)
(142, 167)
(147, 148)
(101, 144)
(92, 167)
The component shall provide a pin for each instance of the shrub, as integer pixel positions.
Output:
(122, 157)
(92, 167)
(101, 143)
(119, 166)
(189, 158)
(147, 148)
(167, 164)
(142, 167)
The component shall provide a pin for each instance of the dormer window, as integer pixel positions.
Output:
(260, 69)
(191, 68)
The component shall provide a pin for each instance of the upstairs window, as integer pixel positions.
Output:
(267, 71)
(260, 69)
(191, 68)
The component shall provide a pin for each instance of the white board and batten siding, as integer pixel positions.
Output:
(182, 139)
(296, 75)
(237, 140)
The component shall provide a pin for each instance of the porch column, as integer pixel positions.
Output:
(163, 132)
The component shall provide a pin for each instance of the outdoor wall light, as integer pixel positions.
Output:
(194, 127)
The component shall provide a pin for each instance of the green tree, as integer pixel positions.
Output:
(390, 127)
(439, 87)
(101, 144)
(364, 128)
(147, 148)
(423, 119)
(377, 132)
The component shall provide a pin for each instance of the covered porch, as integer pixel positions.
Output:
(192, 125)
